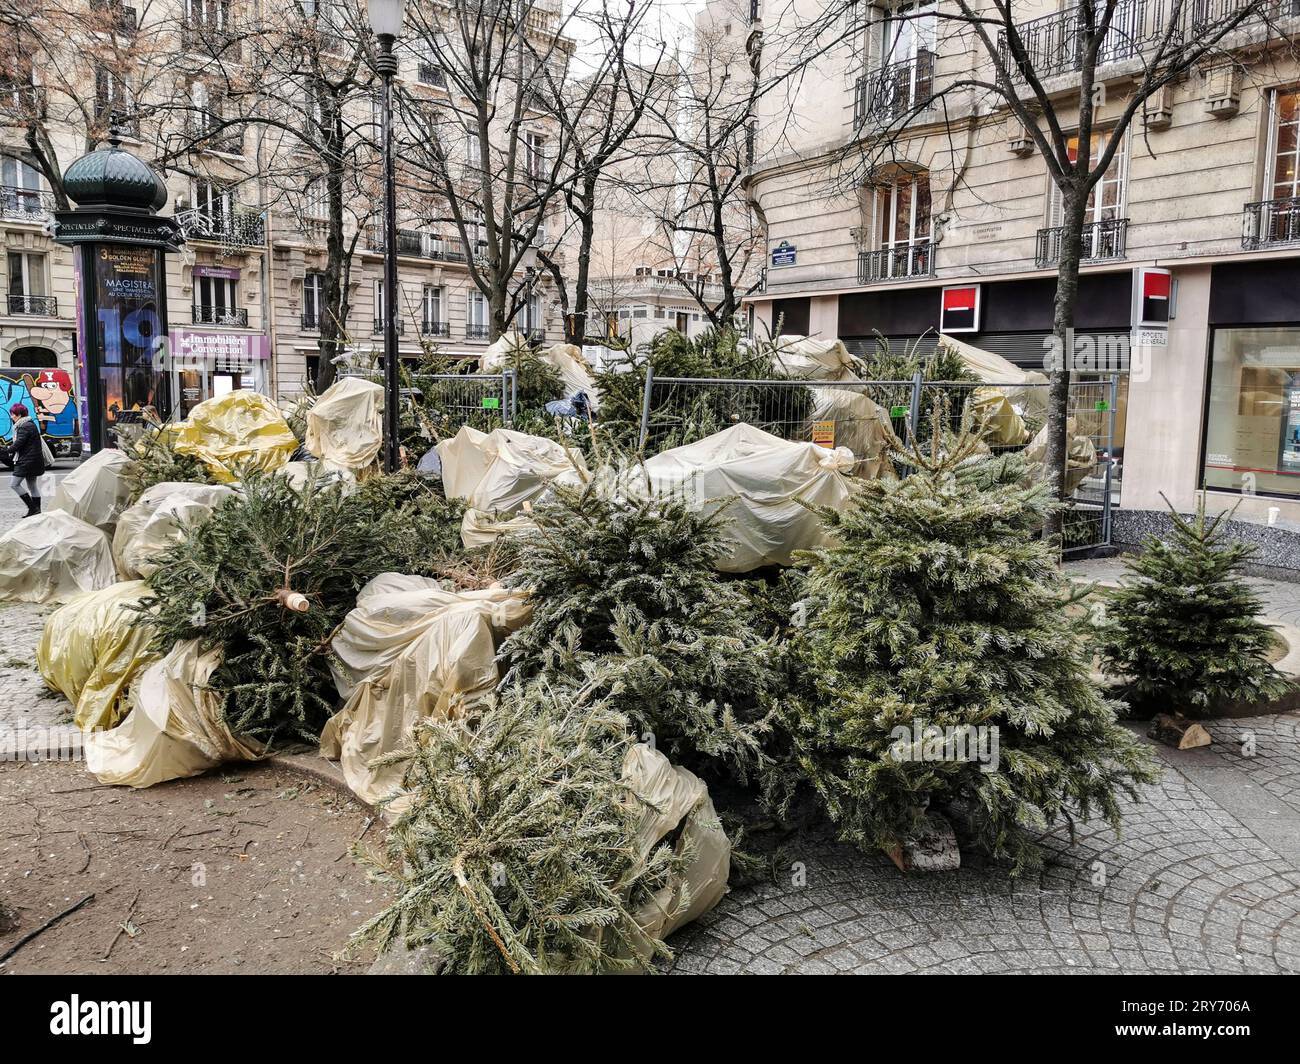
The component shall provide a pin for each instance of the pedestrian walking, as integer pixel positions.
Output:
(29, 458)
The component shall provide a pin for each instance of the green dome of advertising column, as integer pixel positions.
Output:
(120, 244)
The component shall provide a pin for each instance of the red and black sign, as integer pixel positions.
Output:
(960, 309)
(1153, 288)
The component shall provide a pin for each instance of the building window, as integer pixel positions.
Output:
(476, 326)
(113, 100)
(216, 301)
(212, 16)
(1283, 179)
(901, 217)
(313, 300)
(1103, 235)
(1252, 441)
(20, 189)
(432, 306)
(535, 155)
(29, 291)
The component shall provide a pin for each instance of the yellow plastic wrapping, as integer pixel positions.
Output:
(158, 519)
(96, 491)
(90, 651)
(672, 796)
(763, 481)
(235, 433)
(345, 426)
(53, 556)
(1023, 387)
(411, 649)
(173, 728)
(996, 419)
(1080, 456)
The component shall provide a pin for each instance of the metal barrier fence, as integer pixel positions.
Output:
(484, 401)
(680, 410)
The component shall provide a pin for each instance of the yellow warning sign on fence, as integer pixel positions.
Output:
(823, 433)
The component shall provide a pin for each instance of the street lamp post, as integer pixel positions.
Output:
(386, 22)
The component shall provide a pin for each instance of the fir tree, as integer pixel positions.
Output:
(624, 585)
(942, 607)
(1186, 635)
(273, 571)
(517, 852)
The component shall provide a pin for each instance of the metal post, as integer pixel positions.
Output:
(514, 394)
(387, 66)
(645, 406)
(914, 409)
(1110, 460)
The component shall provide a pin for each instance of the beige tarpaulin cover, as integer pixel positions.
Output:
(236, 433)
(765, 477)
(1080, 458)
(411, 649)
(53, 556)
(500, 351)
(996, 419)
(91, 649)
(497, 472)
(814, 360)
(860, 424)
(672, 795)
(345, 426)
(567, 359)
(96, 491)
(995, 369)
(478, 529)
(173, 728)
(158, 519)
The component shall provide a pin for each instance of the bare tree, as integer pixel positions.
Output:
(1016, 72)
(485, 157)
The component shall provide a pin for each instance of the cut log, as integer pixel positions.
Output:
(1173, 729)
(292, 600)
(932, 849)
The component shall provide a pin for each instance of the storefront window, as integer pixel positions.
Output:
(1252, 442)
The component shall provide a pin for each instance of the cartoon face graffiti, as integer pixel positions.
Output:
(55, 409)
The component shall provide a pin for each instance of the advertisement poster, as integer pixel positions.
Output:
(128, 286)
(1288, 460)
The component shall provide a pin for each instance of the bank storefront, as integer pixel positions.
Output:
(1252, 417)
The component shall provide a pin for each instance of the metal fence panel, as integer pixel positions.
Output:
(484, 401)
(680, 410)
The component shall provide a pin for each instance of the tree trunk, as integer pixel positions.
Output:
(1058, 393)
(575, 330)
(332, 328)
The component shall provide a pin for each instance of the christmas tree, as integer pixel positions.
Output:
(1186, 636)
(274, 570)
(939, 665)
(623, 584)
(517, 852)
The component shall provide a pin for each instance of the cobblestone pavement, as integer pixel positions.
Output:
(1206, 877)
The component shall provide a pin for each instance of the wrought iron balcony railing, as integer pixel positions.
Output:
(311, 320)
(43, 306)
(416, 243)
(897, 263)
(24, 204)
(235, 317)
(240, 227)
(476, 332)
(1101, 241)
(1271, 223)
(431, 74)
(894, 92)
(379, 327)
(535, 335)
(435, 328)
(116, 17)
(211, 40)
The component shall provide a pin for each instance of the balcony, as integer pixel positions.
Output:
(476, 332)
(238, 228)
(894, 92)
(42, 306)
(535, 335)
(210, 133)
(435, 328)
(1102, 241)
(379, 327)
(233, 317)
(899, 263)
(431, 74)
(210, 40)
(415, 243)
(24, 204)
(314, 230)
(115, 17)
(22, 100)
(1271, 223)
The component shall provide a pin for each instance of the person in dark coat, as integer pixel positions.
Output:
(29, 458)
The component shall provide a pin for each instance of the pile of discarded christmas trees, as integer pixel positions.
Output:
(537, 655)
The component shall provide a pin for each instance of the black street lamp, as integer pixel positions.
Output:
(386, 22)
